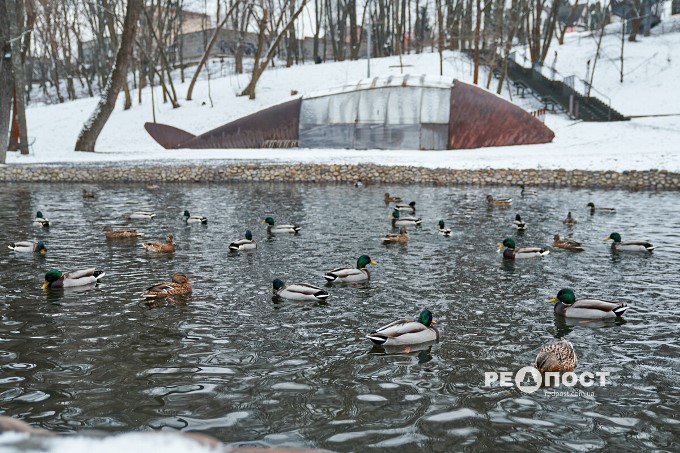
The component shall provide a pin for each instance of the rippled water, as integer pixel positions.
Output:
(237, 365)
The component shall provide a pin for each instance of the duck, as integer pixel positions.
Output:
(498, 201)
(512, 252)
(28, 246)
(567, 244)
(446, 232)
(300, 291)
(631, 246)
(568, 306)
(140, 215)
(244, 244)
(406, 332)
(161, 247)
(40, 220)
(409, 208)
(88, 194)
(593, 209)
(349, 274)
(527, 192)
(58, 279)
(179, 285)
(402, 236)
(389, 199)
(188, 218)
(124, 233)
(273, 229)
(557, 357)
(569, 220)
(519, 223)
(397, 220)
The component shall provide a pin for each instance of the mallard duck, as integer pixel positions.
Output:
(498, 201)
(244, 244)
(349, 274)
(58, 279)
(273, 229)
(443, 230)
(405, 332)
(511, 252)
(301, 291)
(593, 209)
(569, 220)
(161, 247)
(389, 199)
(402, 236)
(557, 357)
(397, 220)
(40, 220)
(140, 215)
(567, 305)
(409, 208)
(631, 246)
(28, 246)
(88, 194)
(124, 233)
(358, 184)
(178, 286)
(527, 192)
(188, 218)
(519, 223)
(567, 244)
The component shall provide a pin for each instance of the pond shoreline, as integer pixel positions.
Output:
(153, 172)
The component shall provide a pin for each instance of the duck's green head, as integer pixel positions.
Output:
(39, 215)
(591, 205)
(249, 235)
(616, 237)
(565, 295)
(52, 276)
(441, 224)
(277, 284)
(186, 213)
(425, 318)
(518, 218)
(269, 221)
(395, 214)
(507, 243)
(363, 261)
(40, 247)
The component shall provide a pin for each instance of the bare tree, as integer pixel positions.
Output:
(6, 80)
(15, 14)
(93, 127)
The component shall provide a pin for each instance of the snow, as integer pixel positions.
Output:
(651, 69)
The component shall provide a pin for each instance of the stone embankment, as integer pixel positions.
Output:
(220, 172)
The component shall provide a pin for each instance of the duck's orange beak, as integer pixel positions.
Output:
(553, 300)
(46, 284)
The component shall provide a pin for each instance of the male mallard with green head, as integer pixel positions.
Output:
(511, 252)
(244, 244)
(446, 232)
(567, 305)
(519, 223)
(28, 246)
(124, 233)
(58, 279)
(350, 274)
(527, 192)
(299, 292)
(161, 247)
(498, 201)
(40, 220)
(631, 246)
(557, 357)
(593, 209)
(406, 332)
(273, 229)
(188, 218)
(567, 244)
(179, 285)
(397, 220)
(408, 208)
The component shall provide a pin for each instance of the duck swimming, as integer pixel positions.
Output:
(140, 215)
(28, 246)
(556, 357)
(593, 209)
(299, 292)
(512, 252)
(632, 246)
(569, 220)
(498, 201)
(124, 233)
(567, 244)
(40, 220)
(402, 236)
(58, 279)
(443, 230)
(397, 220)
(161, 247)
(527, 192)
(568, 306)
(389, 199)
(244, 244)
(350, 274)
(519, 223)
(273, 229)
(409, 208)
(406, 332)
(188, 218)
(179, 285)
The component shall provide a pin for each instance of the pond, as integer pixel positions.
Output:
(251, 370)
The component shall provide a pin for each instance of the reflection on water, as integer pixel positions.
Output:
(236, 364)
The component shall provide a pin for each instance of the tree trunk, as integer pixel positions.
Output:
(93, 127)
(478, 22)
(6, 81)
(15, 15)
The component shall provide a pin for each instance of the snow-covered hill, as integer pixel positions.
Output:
(650, 87)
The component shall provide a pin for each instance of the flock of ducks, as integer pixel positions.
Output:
(558, 356)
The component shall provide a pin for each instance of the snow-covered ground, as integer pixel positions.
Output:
(650, 87)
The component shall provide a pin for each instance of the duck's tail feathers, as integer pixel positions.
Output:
(377, 338)
(330, 277)
(11, 246)
(98, 274)
(233, 247)
(544, 252)
(322, 295)
(620, 310)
